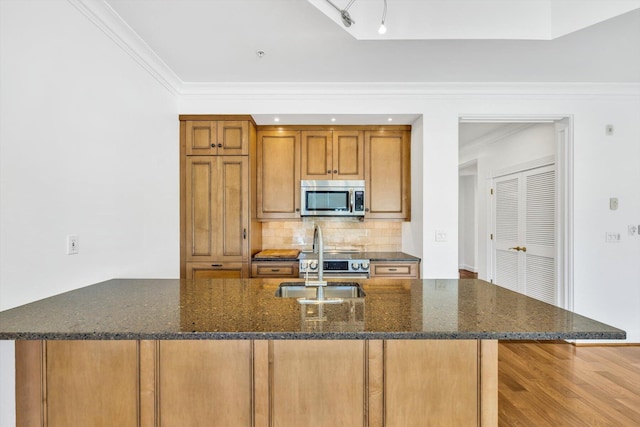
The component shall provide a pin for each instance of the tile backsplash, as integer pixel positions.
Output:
(339, 234)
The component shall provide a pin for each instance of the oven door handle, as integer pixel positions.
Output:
(351, 200)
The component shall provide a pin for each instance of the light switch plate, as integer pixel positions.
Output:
(441, 236)
(613, 203)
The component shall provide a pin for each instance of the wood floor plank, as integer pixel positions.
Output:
(558, 384)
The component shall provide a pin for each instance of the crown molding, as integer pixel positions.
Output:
(408, 89)
(111, 24)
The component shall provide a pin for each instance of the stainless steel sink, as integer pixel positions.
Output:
(332, 290)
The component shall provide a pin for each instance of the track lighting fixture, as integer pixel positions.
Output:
(382, 29)
(347, 20)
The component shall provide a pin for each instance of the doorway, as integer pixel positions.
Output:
(495, 147)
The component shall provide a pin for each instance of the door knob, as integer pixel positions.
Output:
(518, 248)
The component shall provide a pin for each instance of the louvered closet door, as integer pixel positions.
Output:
(540, 234)
(507, 262)
(525, 215)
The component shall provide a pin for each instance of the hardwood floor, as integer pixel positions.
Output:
(466, 274)
(558, 384)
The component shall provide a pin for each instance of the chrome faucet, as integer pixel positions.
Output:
(318, 248)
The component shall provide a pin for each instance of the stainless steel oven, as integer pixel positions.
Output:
(337, 265)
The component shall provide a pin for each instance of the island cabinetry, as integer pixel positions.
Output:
(285, 269)
(278, 180)
(387, 175)
(217, 137)
(332, 154)
(395, 269)
(259, 383)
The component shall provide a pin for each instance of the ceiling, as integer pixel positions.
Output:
(217, 40)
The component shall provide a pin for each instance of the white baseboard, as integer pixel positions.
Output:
(467, 267)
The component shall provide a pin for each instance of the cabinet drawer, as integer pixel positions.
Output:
(406, 270)
(270, 269)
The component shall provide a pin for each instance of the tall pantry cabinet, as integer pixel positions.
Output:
(218, 228)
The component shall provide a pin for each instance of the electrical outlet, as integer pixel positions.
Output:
(612, 237)
(73, 244)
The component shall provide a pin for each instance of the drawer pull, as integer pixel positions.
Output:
(275, 270)
(216, 265)
(393, 269)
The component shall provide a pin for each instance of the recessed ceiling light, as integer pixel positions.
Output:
(260, 53)
(276, 119)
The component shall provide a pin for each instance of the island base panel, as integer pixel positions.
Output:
(257, 383)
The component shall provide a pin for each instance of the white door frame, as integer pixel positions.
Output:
(564, 202)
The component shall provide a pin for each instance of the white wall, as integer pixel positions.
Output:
(467, 223)
(88, 146)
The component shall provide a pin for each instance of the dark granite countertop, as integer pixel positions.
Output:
(248, 309)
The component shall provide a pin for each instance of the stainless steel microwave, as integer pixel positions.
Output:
(332, 198)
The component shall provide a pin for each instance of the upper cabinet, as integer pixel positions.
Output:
(388, 174)
(221, 138)
(380, 155)
(333, 154)
(278, 170)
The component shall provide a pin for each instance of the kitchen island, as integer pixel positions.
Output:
(227, 352)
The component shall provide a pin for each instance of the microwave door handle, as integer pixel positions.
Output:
(351, 196)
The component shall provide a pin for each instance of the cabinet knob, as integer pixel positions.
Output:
(366, 210)
(213, 145)
(297, 209)
(329, 171)
(219, 145)
(335, 171)
(244, 233)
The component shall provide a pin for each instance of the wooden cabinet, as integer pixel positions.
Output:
(218, 228)
(217, 189)
(278, 180)
(257, 383)
(387, 175)
(274, 269)
(328, 154)
(212, 137)
(395, 269)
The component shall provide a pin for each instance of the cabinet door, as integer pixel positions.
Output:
(91, 383)
(217, 195)
(201, 138)
(317, 383)
(348, 155)
(204, 383)
(201, 208)
(278, 179)
(317, 157)
(231, 225)
(224, 270)
(388, 175)
(233, 138)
